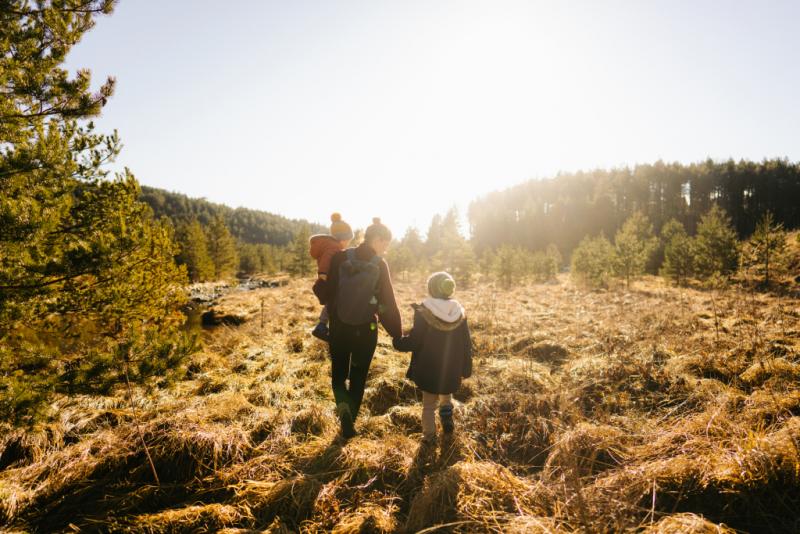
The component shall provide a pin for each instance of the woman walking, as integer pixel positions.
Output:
(359, 293)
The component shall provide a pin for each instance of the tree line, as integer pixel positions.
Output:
(564, 209)
(715, 253)
(211, 253)
(712, 255)
(445, 248)
(217, 242)
(246, 225)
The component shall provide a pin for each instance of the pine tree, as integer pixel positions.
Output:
(408, 254)
(193, 253)
(222, 250)
(508, 265)
(678, 252)
(594, 261)
(716, 245)
(448, 249)
(401, 260)
(543, 265)
(268, 258)
(555, 256)
(767, 245)
(249, 258)
(89, 291)
(414, 243)
(463, 262)
(434, 239)
(634, 245)
(300, 262)
(486, 262)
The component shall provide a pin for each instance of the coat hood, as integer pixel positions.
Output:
(442, 314)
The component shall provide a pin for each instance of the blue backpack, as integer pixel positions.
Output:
(356, 301)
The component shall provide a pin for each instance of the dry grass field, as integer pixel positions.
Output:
(655, 410)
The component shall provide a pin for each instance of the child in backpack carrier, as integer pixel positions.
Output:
(441, 352)
(322, 248)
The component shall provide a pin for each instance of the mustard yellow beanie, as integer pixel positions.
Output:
(340, 229)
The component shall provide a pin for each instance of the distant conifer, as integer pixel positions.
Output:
(716, 245)
(767, 246)
(194, 251)
(634, 244)
(222, 250)
(594, 261)
(678, 252)
(300, 262)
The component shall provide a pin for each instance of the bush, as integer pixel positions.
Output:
(594, 261)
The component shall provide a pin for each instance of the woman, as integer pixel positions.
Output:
(359, 293)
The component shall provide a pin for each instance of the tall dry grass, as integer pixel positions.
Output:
(655, 410)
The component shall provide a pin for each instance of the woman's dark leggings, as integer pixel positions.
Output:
(352, 348)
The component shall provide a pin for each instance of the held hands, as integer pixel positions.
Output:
(396, 342)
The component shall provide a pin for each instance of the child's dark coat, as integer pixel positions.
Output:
(441, 352)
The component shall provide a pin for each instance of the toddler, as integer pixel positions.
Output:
(322, 248)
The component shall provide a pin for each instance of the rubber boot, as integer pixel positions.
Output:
(346, 420)
(321, 332)
(446, 418)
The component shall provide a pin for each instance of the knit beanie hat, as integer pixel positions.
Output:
(340, 229)
(377, 230)
(441, 285)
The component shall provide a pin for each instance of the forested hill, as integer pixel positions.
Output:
(564, 209)
(246, 225)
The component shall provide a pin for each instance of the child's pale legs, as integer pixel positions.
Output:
(430, 401)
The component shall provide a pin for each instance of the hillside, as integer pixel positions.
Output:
(247, 225)
(655, 410)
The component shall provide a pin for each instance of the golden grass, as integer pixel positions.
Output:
(687, 523)
(476, 493)
(656, 410)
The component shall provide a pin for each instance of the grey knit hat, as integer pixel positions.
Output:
(441, 285)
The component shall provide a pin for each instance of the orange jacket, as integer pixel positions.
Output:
(322, 248)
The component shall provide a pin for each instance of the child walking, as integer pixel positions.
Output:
(441, 350)
(323, 247)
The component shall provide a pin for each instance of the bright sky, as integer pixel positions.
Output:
(405, 108)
